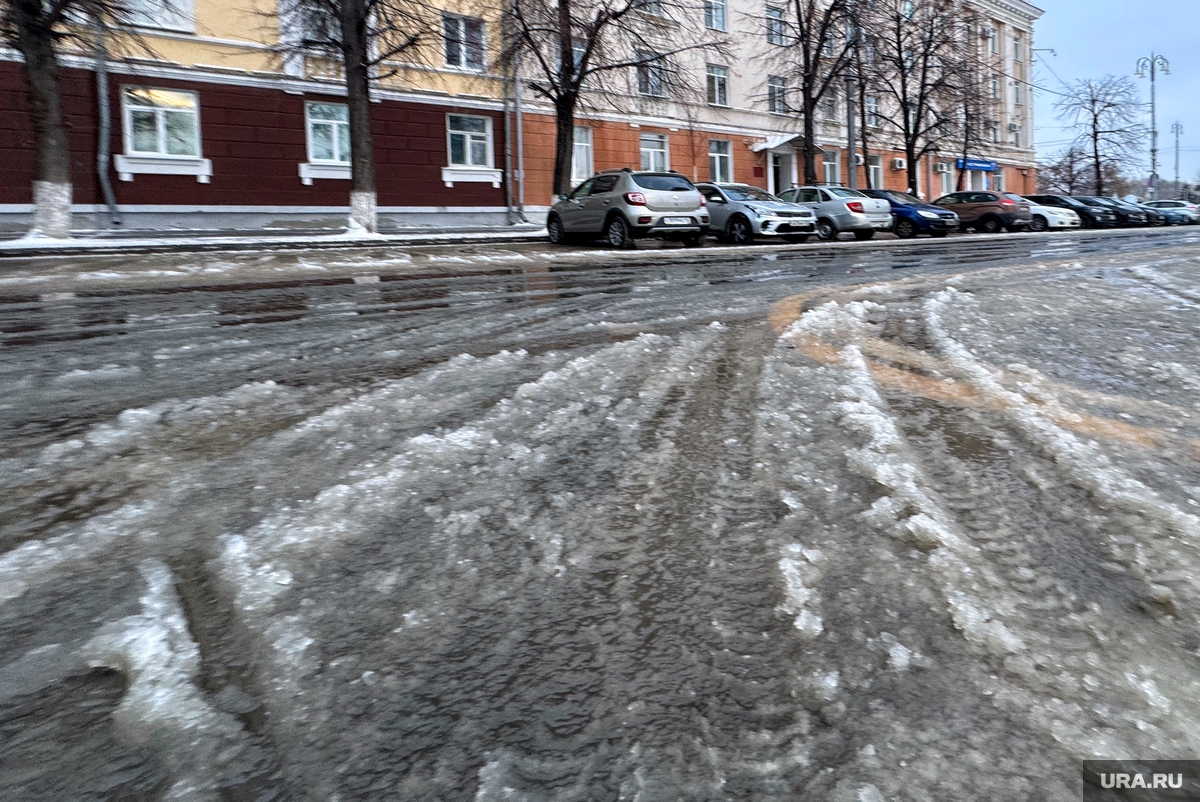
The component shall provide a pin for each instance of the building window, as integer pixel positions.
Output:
(1018, 54)
(654, 152)
(720, 160)
(161, 122)
(875, 171)
(777, 95)
(654, 7)
(714, 14)
(995, 86)
(998, 180)
(1016, 138)
(993, 41)
(831, 162)
(993, 133)
(907, 9)
(328, 132)
(947, 178)
(463, 38)
(470, 140)
(581, 155)
(651, 75)
(718, 85)
(1017, 93)
(166, 15)
(829, 107)
(776, 34)
(872, 109)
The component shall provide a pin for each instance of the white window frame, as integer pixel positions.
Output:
(1017, 99)
(582, 165)
(777, 94)
(654, 72)
(133, 162)
(716, 15)
(872, 111)
(947, 180)
(471, 173)
(720, 165)
(831, 167)
(776, 27)
(994, 41)
(716, 81)
(665, 150)
(875, 170)
(829, 107)
(316, 168)
(996, 90)
(464, 64)
(1018, 49)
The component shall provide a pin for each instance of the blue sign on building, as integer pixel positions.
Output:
(976, 164)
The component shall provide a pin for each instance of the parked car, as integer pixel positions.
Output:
(1154, 217)
(1174, 215)
(1191, 209)
(1090, 216)
(624, 205)
(912, 216)
(1126, 217)
(841, 209)
(1048, 217)
(739, 212)
(987, 211)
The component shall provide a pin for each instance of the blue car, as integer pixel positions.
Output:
(913, 216)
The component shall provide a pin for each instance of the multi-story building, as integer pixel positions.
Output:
(213, 125)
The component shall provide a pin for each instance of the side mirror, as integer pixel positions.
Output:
(559, 197)
(716, 199)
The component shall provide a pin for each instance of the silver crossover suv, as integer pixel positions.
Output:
(622, 206)
(740, 212)
(840, 209)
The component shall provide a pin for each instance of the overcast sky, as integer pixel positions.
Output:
(1093, 38)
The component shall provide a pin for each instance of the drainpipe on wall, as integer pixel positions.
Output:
(104, 134)
(520, 141)
(508, 160)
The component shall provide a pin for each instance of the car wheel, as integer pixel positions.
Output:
(691, 240)
(989, 225)
(905, 229)
(1086, 222)
(796, 238)
(738, 231)
(938, 234)
(864, 235)
(826, 230)
(1038, 223)
(617, 234)
(554, 228)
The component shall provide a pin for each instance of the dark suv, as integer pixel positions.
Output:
(987, 211)
(1090, 216)
(1127, 214)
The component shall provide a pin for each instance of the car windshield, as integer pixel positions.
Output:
(1091, 201)
(1071, 202)
(843, 192)
(662, 182)
(898, 197)
(748, 194)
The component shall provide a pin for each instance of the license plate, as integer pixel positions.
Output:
(677, 221)
(883, 225)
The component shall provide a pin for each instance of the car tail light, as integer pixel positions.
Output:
(703, 201)
(1007, 202)
(855, 206)
(643, 221)
(635, 199)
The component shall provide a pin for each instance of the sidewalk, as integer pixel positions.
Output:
(185, 241)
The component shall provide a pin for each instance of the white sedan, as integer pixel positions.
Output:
(1047, 217)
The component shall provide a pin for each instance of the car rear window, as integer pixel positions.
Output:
(662, 182)
(843, 192)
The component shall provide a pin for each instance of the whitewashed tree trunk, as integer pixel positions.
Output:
(52, 209)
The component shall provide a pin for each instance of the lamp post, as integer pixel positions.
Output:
(1152, 65)
(1177, 129)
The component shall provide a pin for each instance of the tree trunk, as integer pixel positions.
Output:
(914, 168)
(864, 136)
(353, 18)
(564, 142)
(52, 181)
(810, 145)
(1099, 171)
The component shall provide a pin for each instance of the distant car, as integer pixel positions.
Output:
(1090, 216)
(987, 211)
(913, 216)
(1127, 216)
(623, 206)
(1048, 217)
(839, 209)
(1190, 209)
(1173, 216)
(739, 212)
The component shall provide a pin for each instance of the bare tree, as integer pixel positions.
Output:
(818, 42)
(1066, 172)
(39, 30)
(364, 37)
(573, 51)
(922, 70)
(1104, 115)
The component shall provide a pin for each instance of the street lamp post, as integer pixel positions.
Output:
(1177, 129)
(1152, 65)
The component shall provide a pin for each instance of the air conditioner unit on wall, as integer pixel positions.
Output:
(899, 164)
(859, 160)
(941, 167)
